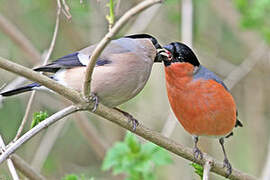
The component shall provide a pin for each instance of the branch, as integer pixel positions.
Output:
(42, 125)
(26, 115)
(107, 113)
(18, 37)
(25, 168)
(11, 167)
(31, 99)
(102, 44)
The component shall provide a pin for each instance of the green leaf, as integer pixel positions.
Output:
(132, 142)
(198, 169)
(71, 177)
(158, 155)
(38, 117)
(76, 177)
(110, 18)
(137, 161)
(255, 15)
(114, 156)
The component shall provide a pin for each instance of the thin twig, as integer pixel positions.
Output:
(11, 167)
(31, 99)
(66, 10)
(26, 115)
(19, 38)
(56, 27)
(25, 168)
(102, 44)
(206, 169)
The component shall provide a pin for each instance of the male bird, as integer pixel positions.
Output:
(121, 71)
(200, 100)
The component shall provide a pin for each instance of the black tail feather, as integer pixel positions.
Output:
(238, 123)
(19, 90)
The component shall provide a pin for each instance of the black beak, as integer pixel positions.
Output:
(161, 55)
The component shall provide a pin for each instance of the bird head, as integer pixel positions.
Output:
(177, 52)
(154, 41)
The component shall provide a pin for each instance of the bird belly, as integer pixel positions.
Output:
(116, 86)
(112, 85)
(203, 108)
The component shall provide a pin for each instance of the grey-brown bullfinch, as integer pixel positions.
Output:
(121, 71)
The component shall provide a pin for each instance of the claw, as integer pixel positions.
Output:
(94, 98)
(197, 153)
(131, 119)
(134, 122)
(227, 165)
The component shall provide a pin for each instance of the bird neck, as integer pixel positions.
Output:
(179, 74)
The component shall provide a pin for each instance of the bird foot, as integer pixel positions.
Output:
(131, 119)
(227, 165)
(95, 99)
(134, 122)
(197, 153)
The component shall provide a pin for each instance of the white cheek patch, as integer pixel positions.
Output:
(84, 59)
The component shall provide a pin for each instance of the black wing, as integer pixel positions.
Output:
(68, 61)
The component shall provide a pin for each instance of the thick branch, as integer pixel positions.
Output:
(102, 44)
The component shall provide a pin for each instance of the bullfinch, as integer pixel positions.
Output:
(121, 71)
(199, 99)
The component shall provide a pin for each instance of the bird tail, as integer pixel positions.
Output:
(20, 90)
(238, 123)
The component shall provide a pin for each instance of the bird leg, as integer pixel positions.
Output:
(229, 135)
(131, 119)
(196, 151)
(226, 163)
(95, 99)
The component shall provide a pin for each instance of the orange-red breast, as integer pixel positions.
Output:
(198, 97)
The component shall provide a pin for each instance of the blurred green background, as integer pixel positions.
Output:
(224, 35)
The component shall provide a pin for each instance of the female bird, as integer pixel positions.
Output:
(121, 71)
(200, 100)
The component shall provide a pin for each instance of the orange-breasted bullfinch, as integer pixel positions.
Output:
(200, 100)
(121, 71)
